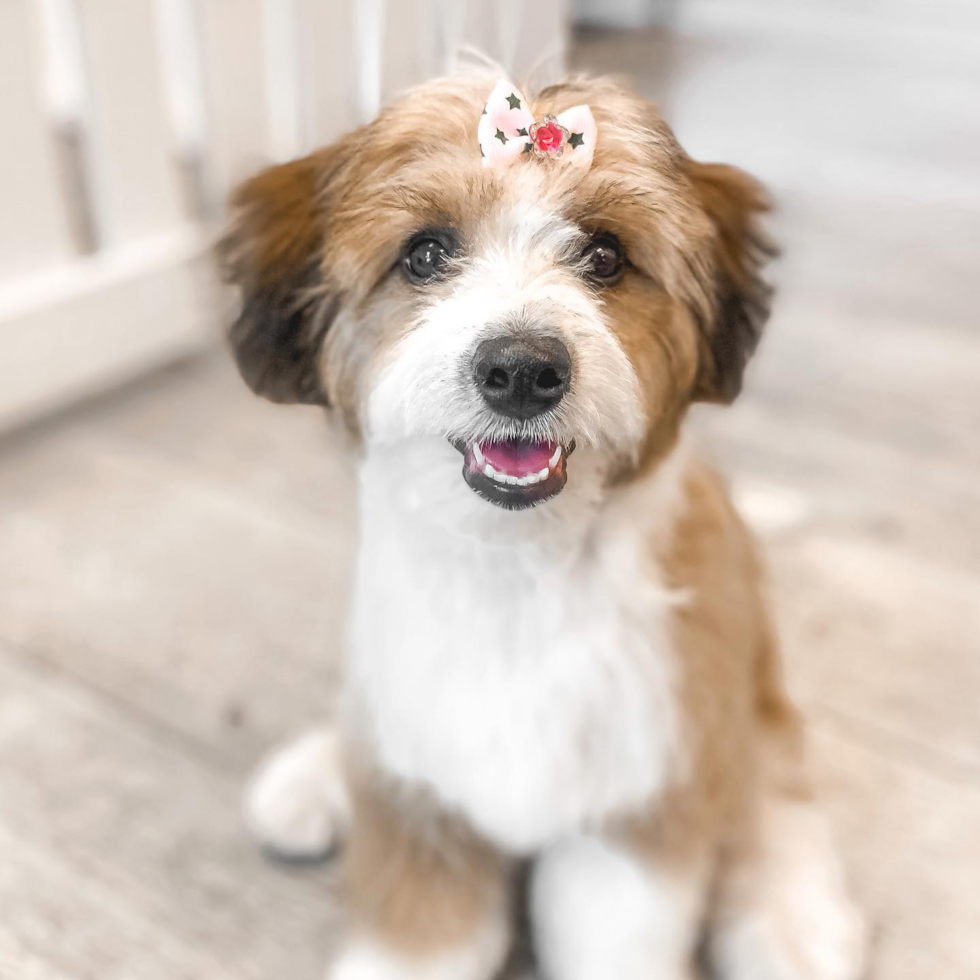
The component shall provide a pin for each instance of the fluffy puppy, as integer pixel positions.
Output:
(560, 669)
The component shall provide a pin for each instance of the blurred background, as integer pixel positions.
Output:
(173, 552)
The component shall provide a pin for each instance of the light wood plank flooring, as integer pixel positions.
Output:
(173, 563)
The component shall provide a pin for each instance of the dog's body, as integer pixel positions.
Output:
(588, 685)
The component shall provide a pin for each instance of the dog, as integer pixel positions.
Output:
(563, 710)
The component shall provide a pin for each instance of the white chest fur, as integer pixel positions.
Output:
(530, 687)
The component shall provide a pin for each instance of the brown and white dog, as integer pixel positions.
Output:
(560, 668)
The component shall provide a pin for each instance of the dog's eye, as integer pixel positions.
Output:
(604, 258)
(426, 256)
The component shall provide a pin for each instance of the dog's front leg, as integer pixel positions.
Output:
(600, 909)
(782, 909)
(425, 898)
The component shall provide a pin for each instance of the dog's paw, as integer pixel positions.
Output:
(297, 804)
(367, 961)
(479, 959)
(810, 937)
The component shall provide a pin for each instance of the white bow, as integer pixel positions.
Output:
(507, 130)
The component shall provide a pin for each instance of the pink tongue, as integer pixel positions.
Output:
(518, 458)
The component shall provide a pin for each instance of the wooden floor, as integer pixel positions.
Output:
(173, 570)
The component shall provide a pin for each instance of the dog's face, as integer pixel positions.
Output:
(515, 314)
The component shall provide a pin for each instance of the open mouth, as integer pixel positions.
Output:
(515, 473)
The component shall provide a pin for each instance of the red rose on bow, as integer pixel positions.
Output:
(548, 137)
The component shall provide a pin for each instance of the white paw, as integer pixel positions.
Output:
(479, 958)
(768, 947)
(803, 925)
(831, 940)
(365, 961)
(297, 804)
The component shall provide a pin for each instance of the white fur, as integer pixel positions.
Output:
(524, 674)
(363, 958)
(598, 911)
(297, 803)
(517, 664)
(786, 914)
(517, 274)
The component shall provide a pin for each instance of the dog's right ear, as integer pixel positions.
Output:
(273, 252)
(734, 203)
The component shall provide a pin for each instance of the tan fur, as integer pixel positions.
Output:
(414, 875)
(723, 639)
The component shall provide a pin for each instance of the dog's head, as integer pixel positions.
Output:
(515, 314)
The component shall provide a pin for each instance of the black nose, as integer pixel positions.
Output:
(522, 377)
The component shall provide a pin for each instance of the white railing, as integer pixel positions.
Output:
(125, 122)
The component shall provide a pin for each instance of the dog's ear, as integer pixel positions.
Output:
(735, 203)
(273, 252)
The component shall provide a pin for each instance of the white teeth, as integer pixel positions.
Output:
(489, 471)
(515, 481)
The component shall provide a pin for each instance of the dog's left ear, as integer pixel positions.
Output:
(273, 252)
(735, 203)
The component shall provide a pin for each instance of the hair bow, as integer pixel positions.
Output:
(507, 130)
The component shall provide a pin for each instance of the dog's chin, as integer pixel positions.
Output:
(515, 473)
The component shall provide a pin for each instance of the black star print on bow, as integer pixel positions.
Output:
(513, 101)
(576, 139)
